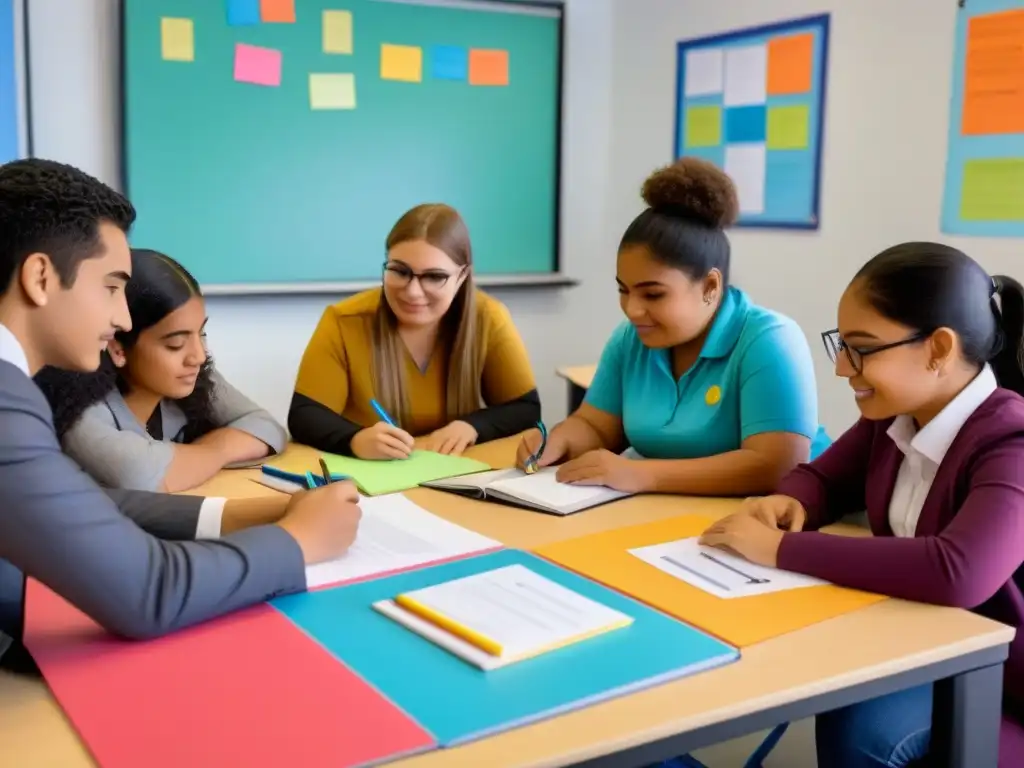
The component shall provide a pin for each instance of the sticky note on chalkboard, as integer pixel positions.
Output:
(449, 62)
(253, 64)
(332, 90)
(243, 13)
(337, 31)
(401, 62)
(488, 67)
(277, 11)
(177, 39)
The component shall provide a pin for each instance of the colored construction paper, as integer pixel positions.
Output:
(401, 62)
(243, 13)
(703, 126)
(745, 124)
(605, 557)
(790, 64)
(335, 90)
(746, 164)
(177, 39)
(277, 11)
(745, 75)
(417, 674)
(994, 74)
(378, 477)
(254, 64)
(789, 186)
(247, 689)
(705, 72)
(993, 190)
(449, 62)
(337, 31)
(488, 67)
(789, 127)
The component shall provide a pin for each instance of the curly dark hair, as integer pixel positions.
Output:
(159, 285)
(56, 209)
(690, 204)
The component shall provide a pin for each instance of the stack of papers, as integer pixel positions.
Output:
(502, 616)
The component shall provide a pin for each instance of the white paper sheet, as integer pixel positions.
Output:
(704, 72)
(395, 533)
(542, 488)
(746, 165)
(746, 76)
(519, 609)
(717, 572)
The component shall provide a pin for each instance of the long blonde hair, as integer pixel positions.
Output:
(442, 227)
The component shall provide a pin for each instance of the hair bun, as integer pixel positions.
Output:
(693, 188)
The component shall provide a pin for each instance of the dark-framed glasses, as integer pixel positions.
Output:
(834, 345)
(397, 275)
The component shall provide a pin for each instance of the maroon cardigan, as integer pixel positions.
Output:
(969, 544)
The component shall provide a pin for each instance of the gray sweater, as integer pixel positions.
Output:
(110, 444)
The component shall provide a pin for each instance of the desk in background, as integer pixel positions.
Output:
(578, 379)
(798, 675)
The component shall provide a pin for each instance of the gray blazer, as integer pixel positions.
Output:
(97, 548)
(111, 445)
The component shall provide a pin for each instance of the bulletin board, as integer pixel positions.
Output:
(984, 192)
(270, 145)
(14, 111)
(752, 102)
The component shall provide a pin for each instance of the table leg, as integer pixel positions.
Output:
(576, 395)
(965, 719)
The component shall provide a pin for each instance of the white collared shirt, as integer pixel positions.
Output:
(211, 512)
(924, 451)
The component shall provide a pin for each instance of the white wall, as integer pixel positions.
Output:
(884, 151)
(258, 341)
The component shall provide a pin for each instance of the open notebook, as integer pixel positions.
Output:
(502, 616)
(539, 491)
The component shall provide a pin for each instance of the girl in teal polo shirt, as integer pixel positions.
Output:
(715, 394)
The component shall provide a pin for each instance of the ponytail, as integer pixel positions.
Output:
(1008, 361)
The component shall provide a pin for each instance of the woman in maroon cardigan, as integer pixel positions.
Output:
(937, 459)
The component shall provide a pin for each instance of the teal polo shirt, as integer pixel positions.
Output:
(753, 375)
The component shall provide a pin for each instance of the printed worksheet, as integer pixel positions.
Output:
(718, 572)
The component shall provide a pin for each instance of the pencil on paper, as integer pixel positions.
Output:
(750, 579)
(672, 561)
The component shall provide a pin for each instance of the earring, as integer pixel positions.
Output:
(708, 297)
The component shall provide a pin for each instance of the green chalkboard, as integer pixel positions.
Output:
(247, 185)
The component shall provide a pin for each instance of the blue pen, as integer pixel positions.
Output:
(382, 413)
(311, 482)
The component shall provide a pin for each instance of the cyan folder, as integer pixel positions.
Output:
(455, 701)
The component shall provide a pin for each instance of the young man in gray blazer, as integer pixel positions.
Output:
(127, 559)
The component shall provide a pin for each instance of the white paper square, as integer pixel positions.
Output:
(746, 165)
(746, 76)
(704, 72)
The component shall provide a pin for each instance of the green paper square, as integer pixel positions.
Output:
(789, 127)
(703, 126)
(993, 190)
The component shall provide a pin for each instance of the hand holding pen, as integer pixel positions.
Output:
(384, 440)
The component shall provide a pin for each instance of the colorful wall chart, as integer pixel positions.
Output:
(14, 128)
(271, 144)
(752, 101)
(984, 193)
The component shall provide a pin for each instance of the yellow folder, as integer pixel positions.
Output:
(744, 621)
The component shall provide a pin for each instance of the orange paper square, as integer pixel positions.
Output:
(277, 11)
(790, 64)
(994, 74)
(488, 67)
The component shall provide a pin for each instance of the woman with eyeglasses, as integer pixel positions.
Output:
(931, 346)
(441, 359)
(716, 394)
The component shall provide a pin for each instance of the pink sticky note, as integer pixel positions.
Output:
(253, 64)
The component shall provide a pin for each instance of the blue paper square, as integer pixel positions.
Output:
(746, 124)
(449, 62)
(242, 13)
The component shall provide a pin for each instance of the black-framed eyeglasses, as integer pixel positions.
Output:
(431, 281)
(834, 344)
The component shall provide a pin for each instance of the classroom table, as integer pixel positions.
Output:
(578, 379)
(886, 647)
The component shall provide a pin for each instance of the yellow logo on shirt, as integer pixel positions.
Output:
(713, 395)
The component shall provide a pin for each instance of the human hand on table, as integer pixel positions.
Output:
(382, 441)
(556, 449)
(323, 521)
(746, 535)
(778, 511)
(452, 439)
(602, 467)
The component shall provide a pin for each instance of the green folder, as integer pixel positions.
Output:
(379, 477)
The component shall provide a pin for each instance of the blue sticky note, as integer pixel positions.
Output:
(746, 124)
(789, 186)
(243, 12)
(449, 62)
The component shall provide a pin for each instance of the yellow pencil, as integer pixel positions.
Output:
(429, 614)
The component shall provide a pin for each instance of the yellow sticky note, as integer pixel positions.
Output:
(993, 190)
(332, 90)
(337, 27)
(177, 39)
(703, 126)
(789, 127)
(401, 62)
